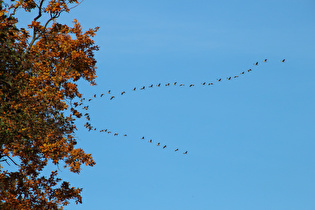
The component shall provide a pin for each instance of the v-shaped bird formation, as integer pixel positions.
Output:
(142, 88)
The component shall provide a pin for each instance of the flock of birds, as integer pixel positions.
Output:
(109, 92)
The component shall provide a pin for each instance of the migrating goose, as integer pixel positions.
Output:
(256, 64)
(108, 92)
(90, 99)
(168, 84)
(142, 137)
(150, 86)
(111, 98)
(122, 93)
(265, 60)
(174, 83)
(210, 83)
(176, 150)
(249, 70)
(191, 85)
(158, 144)
(94, 96)
(150, 141)
(181, 85)
(185, 153)
(115, 134)
(235, 76)
(243, 72)
(102, 95)
(219, 80)
(164, 146)
(125, 134)
(283, 61)
(228, 78)
(82, 99)
(134, 89)
(142, 88)
(158, 85)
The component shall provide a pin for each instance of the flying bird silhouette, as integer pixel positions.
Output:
(150, 141)
(203, 83)
(115, 134)
(185, 153)
(142, 88)
(164, 146)
(256, 64)
(158, 144)
(210, 83)
(111, 98)
(219, 80)
(174, 83)
(158, 85)
(94, 96)
(265, 60)
(108, 92)
(122, 93)
(228, 78)
(176, 150)
(151, 86)
(102, 95)
(168, 84)
(243, 72)
(235, 76)
(134, 89)
(90, 99)
(142, 137)
(249, 70)
(283, 61)
(191, 85)
(125, 134)
(181, 85)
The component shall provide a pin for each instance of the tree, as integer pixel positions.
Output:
(38, 75)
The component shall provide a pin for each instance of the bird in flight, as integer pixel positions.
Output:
(115, 134)
(243, 72)
(142, 88)
(134, 89)
(158, 85)
(90, 99)
(142, 137)
(125, 134)
(219, 80)
(210, 83)
(158, 144)
(150, 141)
(249, 70)
(203, 83)
(283, 61)
(256, 64)
(235, 76)
(168, 84)
(176, 150)
(185, 153)
(191, 85)
(111, 98)
(94, 96)
(174, 83)
(151, 86)
(265, 60)
(122, 93)
(181, 85)
(228, 78)
(164, 146)
(102, 95)
(108, 92)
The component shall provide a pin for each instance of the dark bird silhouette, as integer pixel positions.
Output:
(158, 85)
(125, 134)
(243, 72)
(90, 99)
(151, 86)
(82, 99)
(102, 95)
(88, 118)
(105, 130)
(111, 98)
(191, 85)
(256, 64)
(203, 83)
(150, 141)
(94, 96)
(219, 80)
(134, 89)
(283, 61)
(174, 83)
(108, 92)
(122, 93)
(86, 107)
(158, 144)
(142, 88)
(181, 85)
(185, 153)
(210, 83)
(164, 146)
(168, 84)
(228, 78)
(86, 114)
(265, 60)
(249, 70)
(115, 134)
(235, 76)
(109, 132)
(176, 150)
(142, 137)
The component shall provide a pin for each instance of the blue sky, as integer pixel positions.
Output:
(250, 140)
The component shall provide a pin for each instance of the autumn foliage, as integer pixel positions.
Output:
(39, 68)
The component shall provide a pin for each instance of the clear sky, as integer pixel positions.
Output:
(250, 140)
